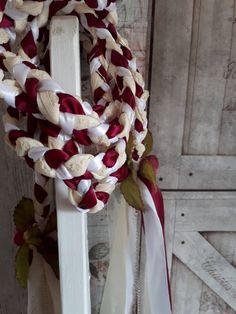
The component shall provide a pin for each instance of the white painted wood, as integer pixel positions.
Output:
(210, 266)
(72, 225)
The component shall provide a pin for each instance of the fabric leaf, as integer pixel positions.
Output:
(33, 236)
(22, 264)
(148, 143)
(129, 149)
(147, 171)
(24, 214)
(131, 193)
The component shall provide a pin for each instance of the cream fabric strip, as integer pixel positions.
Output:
(119, 288)
(43, 288)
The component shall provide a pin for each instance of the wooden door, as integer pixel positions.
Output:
(193, 118)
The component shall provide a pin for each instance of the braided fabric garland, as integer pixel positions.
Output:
(86, 145)
(48, 127)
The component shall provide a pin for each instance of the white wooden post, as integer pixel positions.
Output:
(72, 225)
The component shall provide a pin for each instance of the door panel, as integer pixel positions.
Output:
(192, 104)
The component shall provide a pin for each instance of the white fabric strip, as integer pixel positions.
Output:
(156, 298)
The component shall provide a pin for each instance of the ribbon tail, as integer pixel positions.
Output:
(118, 295)
(156, 297)
(43, 288)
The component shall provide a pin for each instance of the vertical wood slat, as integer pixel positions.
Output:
(72, 225)
(171, 51)
(213, 45)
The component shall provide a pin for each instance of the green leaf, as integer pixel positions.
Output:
(33, 236)
(51, 224)
(131, 193)
(24, 214)
(22, 264)
(129, 150)
(147, 171)
(148, 143)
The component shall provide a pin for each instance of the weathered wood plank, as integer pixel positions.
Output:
(225, 244)
(207, 173)
(201, 195)
(186, 289)
(169, 81)
(15, 181)
(213, 47)
(227, 145)
(206, 215)
(170, 217)
(210, 266)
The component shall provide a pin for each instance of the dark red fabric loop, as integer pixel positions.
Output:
(110, 158)
(138, 125)
(114, 128)
(32, 125)
(13, 112)
(49, 128)
(127, 53)
(118, 59)
(112, 30)
(122, 173)
(28, 45)
(2, 66)
(102, 14)
(24, 105)
(91, 3)
(82, 137)
(99, 92)
(97, 50)
(139, 90)
(69, 104)
(99, 109)
(72, 183)
(30, 65)
(39, 193)
(89, 200)
(102, 196)
(128, 97)
(29, 161)
(6, 22)
(2, 4)
(31, 87)
(135, 155)
(70, 148)
(55, 158)
(94, 22)
(55, 6)
(13, 135)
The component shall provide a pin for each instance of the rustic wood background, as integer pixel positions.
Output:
(187, 51)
